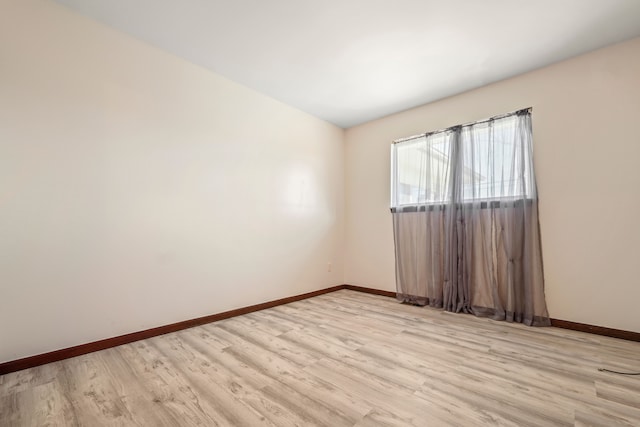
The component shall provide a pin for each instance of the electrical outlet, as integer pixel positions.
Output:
(329, 267)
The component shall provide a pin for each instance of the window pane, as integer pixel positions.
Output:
(438, 163)
(410, 172)
(495, 163)
(421, 170)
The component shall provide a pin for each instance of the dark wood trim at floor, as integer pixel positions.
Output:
(66, 353)
(370, 291)
(78, 350)
(597, 330)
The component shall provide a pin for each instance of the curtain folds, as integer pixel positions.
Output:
(465, 221)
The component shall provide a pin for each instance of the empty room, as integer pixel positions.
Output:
(339, 213)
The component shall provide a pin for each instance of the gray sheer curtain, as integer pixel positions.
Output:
(465, 220)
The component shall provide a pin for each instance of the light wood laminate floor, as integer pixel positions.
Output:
(339, 359)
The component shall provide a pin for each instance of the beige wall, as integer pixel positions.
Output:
(587, 159)
(138, 190)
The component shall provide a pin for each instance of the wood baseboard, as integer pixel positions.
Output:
(597, 330)
(78, 350)
(370, 290)
(66, 353)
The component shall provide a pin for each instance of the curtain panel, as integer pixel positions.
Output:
(465, 221)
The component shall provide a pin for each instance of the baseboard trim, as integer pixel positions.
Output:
(370, 291)
(596, 330)
(78, 350)
(66, 353)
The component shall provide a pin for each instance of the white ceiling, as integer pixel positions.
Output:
(351, 61)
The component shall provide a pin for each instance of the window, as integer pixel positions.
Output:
(465, 220)
(485, 161)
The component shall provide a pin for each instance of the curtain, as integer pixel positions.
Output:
(465, 220)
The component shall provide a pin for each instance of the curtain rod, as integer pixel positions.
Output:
(501, 116)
